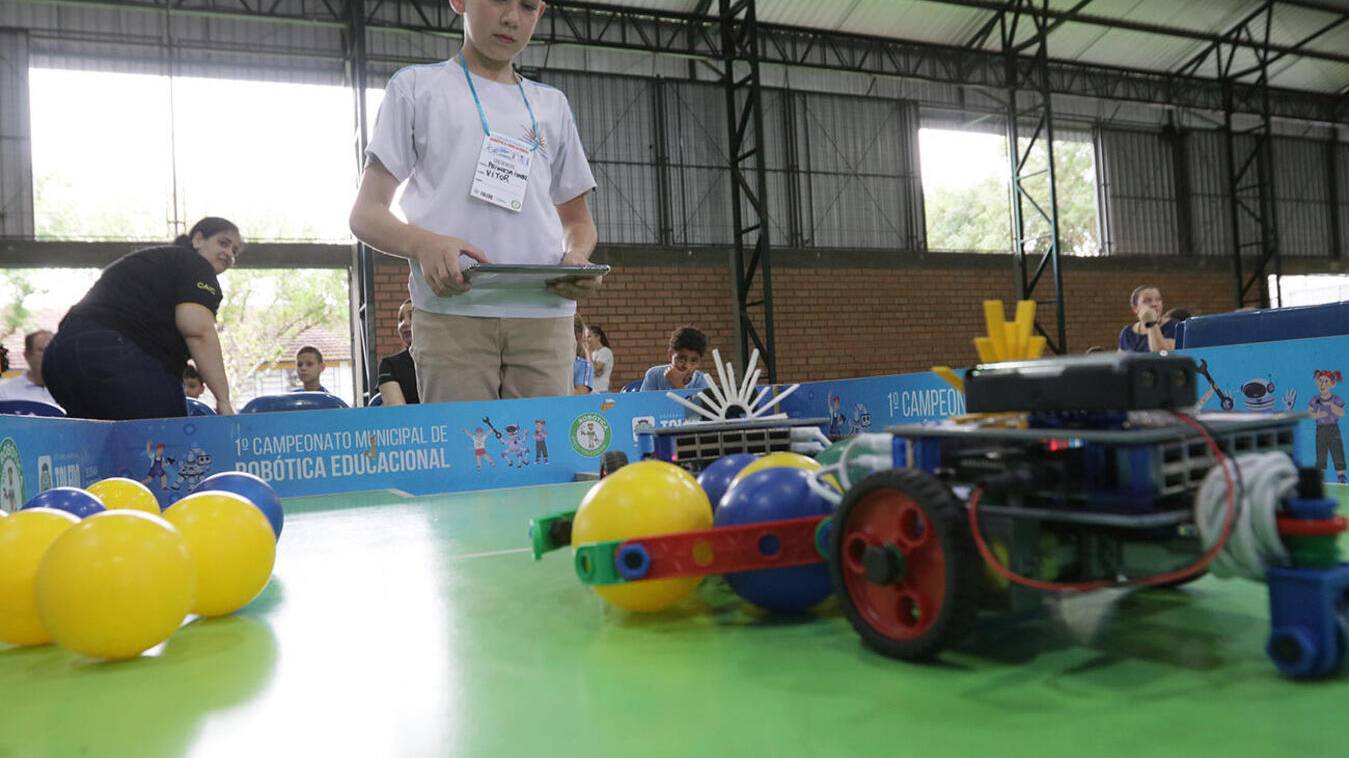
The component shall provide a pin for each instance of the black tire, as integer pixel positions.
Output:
(916, 611)
(612, 461)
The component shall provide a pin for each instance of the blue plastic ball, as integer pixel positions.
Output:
(716, 478)
(72, 500)
(771, 495)
(252, 489)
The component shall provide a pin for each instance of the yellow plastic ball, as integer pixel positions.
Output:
(116, 584)
(642, 500)
(778, 460)
(25, 538)
(120, 493)
(232, 547)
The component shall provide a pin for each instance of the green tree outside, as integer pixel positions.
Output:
(264, 310)
(16, 287)
(977, 218)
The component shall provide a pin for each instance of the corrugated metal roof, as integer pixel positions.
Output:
(949, 22)
(105, 30)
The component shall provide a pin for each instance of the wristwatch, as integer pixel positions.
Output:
(1149, 324)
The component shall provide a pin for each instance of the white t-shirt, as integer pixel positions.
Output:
(606, 356)
(428, 134)
(20, 388)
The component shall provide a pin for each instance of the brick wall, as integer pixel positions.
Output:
(849, 314)
(391, 289)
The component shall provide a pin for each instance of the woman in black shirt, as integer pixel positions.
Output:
(397, 373)
(120, 352)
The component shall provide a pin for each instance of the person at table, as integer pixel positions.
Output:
(30, 385)
(686, 349)
(398, 372)
(309, 368)
(1151, 332)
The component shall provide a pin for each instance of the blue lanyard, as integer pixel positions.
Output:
(487, 130)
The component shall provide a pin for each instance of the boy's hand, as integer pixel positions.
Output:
(575, 288)
(1147, 315)
(678, 379)
(439, 259)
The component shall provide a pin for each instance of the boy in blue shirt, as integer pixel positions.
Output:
(687, 347)
(583, 373)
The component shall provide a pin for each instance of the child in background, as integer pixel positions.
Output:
(192, 384)
(601, 357)
(686, 350)
(309, 369)
(583, 373)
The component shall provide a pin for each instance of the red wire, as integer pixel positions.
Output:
(1167, 578)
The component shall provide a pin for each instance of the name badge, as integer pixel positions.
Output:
(503, 172)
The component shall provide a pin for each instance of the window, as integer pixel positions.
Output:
(1313, 289)
(966, 194)
(266, 317)
(128, 156)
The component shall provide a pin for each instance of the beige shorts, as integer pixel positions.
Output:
(470, 358)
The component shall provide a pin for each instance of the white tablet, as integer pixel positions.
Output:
(526, 276)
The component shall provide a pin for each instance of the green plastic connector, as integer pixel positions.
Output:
(1314, 552)
(822, 535)
(595, 563)
(550, 532)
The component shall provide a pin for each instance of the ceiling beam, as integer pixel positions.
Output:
(569, 22)
(1157, 29)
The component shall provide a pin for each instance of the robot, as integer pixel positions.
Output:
(1072, 474)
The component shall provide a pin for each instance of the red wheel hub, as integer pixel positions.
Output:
(906, 607)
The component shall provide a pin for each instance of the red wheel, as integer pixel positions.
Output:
(904, 565)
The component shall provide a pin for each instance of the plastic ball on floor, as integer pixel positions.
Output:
(72, 500)
(120, 493)
(770, 495)
(777, 460)
(831, 455)
(716, 478)
(25, 538)
(642, 500)
(252, 489)
(115, 585)
(232, 548)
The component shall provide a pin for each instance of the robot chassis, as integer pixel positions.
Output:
(1072, 480)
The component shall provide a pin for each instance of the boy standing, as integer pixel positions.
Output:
(495, 172)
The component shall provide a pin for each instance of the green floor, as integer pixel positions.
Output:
(422, 627)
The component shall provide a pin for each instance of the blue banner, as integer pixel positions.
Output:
(1300, 376)
(425, 449)
(421, 449)
(39, 453)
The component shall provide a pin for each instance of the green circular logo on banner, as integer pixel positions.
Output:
(11, 477)
(590, 434)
